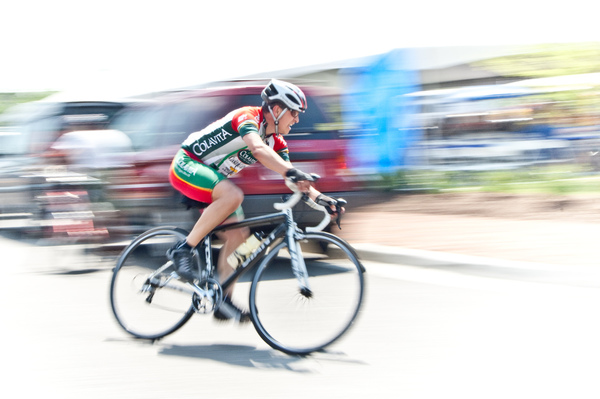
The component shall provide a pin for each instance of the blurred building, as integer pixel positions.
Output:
(436, 67)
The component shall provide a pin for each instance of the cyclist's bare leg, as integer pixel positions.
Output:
(227, 197)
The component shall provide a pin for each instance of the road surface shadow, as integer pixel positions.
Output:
(63, 272)
(249, 356)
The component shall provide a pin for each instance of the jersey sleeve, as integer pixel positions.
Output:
(246, 120)
(279, 145)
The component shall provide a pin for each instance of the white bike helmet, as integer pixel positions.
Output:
(287, 93)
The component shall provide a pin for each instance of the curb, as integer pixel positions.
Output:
(423, 258)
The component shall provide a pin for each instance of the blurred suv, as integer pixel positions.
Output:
(142, 193)
(39, 191)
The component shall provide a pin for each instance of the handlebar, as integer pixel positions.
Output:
(297, 196)
(290, 202)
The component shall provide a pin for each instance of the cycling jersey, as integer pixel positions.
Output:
(220, 144)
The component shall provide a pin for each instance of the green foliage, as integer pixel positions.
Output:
(563, 179)
(8, 100)
(547, 60)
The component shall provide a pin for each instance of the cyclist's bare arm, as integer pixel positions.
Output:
(265, 154)
(270, 159)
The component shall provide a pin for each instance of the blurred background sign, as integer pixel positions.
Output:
(376, 110)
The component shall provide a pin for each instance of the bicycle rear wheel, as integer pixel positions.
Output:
(146, 299)
(296, 323)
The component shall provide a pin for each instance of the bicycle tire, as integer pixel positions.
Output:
(293, 323)
(167, 309)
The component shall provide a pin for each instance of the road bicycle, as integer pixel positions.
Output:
(305, 293)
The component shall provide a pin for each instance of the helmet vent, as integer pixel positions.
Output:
(292, 99)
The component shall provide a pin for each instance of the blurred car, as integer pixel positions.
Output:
(142, 193)
(40, 192)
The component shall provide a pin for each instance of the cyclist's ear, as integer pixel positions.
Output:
(276, 109)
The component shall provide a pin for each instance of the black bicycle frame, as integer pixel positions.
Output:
(284, 220)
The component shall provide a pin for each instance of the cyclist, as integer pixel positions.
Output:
(208, 157)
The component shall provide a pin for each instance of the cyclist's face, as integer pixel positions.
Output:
(288, 120)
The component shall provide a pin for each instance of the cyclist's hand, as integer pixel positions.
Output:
(333, 206)
(328, 202)
(300, 179)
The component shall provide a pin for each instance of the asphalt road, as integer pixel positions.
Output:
(423, 333)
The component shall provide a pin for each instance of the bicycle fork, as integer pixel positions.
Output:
(298, 264)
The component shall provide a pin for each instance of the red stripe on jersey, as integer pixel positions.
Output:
(247, 115)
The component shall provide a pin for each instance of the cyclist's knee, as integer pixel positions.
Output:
(229, 191)
(237, 196)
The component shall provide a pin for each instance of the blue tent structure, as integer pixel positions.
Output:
(378, 113)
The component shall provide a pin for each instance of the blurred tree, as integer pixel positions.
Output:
(7, 100)
(569, 107)
(547, 60)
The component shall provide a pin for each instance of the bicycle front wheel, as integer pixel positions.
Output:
(299, 322)
(146, 299)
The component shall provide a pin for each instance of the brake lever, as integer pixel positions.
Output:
(313, 178)
(338, 207)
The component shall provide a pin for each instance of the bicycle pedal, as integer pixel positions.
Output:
(150, 297)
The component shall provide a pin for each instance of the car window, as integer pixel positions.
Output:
(48, 121)
(141, 124)
(93, 116)
(41, 133)
(172, 130)
(245, 100)
(205, 110)
(171, 123)
(190, 115)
